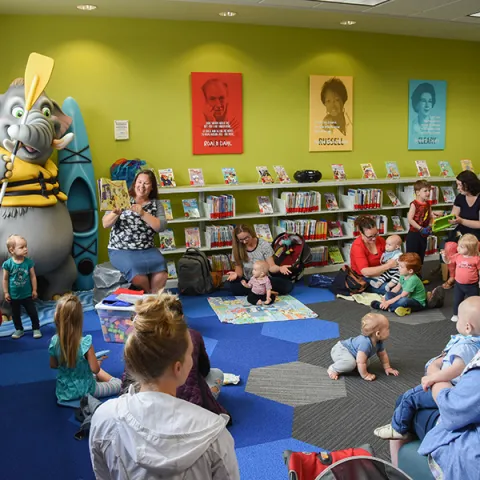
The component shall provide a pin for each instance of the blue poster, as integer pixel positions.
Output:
(427, 100)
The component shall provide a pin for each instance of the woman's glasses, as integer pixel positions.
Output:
(371, 237)
(244, 239)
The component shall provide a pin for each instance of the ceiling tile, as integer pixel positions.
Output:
(451, 11)
(408, 7)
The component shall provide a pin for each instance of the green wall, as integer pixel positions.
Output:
(139, 70)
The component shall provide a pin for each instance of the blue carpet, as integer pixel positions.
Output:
(262, 428)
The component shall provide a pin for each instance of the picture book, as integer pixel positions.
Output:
(113, 194)
(166, 178)
(196, 177)
(335, 255)
(445, 169)
(171, 270)
(331, 201)
(338, 171)
(393, 198)
(264, 175)
(467, 165)
(422, 168)
(230, 176)
(167, 208)
(167, 240)
(282, 175)
(264, 205)
(448, 194)
(190, 208)
(392, 170)
(368, 171)
(192, 237)
(397, 224)
(263, 231)
(335, 229)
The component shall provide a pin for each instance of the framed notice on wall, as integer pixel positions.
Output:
(217, 117)
(331, 113)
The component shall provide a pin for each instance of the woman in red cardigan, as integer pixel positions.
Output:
(366, 252)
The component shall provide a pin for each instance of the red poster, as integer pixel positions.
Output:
(217, 113)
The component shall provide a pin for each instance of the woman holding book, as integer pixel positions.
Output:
(467, 217)
(131, 247)
(247, 249)
(367, 251)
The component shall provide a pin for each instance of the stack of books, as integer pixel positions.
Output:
(363, 198)
(218, 236)
(319, 257)
(301, 202)
(308, 229)
(222, 206)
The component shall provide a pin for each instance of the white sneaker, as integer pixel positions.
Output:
(387, 432)
(37, 334)
(454, 318)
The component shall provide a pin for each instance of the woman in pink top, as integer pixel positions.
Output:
(467, 265)
(366, 252)
(260, 285)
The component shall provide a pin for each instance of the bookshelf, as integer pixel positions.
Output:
(274, 190)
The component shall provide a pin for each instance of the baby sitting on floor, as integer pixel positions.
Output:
(393, 250)
(260, 285)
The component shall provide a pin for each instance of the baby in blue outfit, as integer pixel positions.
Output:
(446, 367)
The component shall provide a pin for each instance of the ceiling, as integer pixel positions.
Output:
(428, 18)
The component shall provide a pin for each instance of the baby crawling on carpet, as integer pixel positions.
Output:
(355, 352)
(260, 285)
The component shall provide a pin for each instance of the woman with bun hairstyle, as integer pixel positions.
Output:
(153, 434)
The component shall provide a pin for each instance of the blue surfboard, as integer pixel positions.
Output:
(77, 181)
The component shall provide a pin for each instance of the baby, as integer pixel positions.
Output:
(447, 367)
(393, 249)
(260, 284)
(355, 352)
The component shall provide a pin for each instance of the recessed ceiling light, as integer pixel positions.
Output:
(227, 14)
(86, 7)
(348, 23)
(474, 14)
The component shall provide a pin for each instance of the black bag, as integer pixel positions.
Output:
(194, 273)
(347, 282)
(291, 249)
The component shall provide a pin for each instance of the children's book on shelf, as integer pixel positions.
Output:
(308, 229)
(167, 240)
(281, 173)
(167, 208)
(331, 201)
(422, 168)
(218, 236)
(113, 194)
(393, 198)
(445, 169)
(368, 171)
(171, 270)
(319, 256)
(196, 177)
(264, 175)
(192, 237)
(335, 229)
(190, 208)
(448, 194)
(338, 171)
(222, 206)
(467, 165)
(166, 178)
(230, 176)
(392, 170)
(264, 205)
(397, 224)
(263, 231)
(335, 255)
(300, 202)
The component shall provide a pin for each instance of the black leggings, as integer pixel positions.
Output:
(281, 285)
(31, 310)
(416, 243)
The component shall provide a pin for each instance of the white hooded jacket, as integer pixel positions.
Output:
(152, 435)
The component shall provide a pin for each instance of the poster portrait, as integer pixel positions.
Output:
(217, 122)
(331, 113)
(427, 100)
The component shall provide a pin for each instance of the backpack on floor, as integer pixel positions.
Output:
(347, 282)
(291, 249)
(194, 273)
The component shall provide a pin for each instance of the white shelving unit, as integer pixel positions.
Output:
(275, 189)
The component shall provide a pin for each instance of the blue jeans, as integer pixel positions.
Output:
(407, 406)
(371, 289)
(405, 302)
(425, 419)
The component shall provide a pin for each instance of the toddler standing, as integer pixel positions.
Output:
(467, 265)
(79, 371)
(393, 250)
(260, 284)
(20, 285)
(355, 352)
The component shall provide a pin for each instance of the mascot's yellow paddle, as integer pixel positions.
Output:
(37, 75)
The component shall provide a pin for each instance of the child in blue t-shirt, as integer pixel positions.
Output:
(446, 367)
(20, 285)
(355, 352)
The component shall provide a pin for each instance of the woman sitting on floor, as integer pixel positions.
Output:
(152, 433)
(248, 248)
(131, 247)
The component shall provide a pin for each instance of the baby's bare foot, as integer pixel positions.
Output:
(332, 374)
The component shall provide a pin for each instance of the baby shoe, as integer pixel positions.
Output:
(402, 311)
(454, 318)
(387, 432)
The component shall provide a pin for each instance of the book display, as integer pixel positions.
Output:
(166, 178)
(422, 168)
(264, 175)
(282, 175)
(467, 165)
(196, 177)
(263, 231)
(445, 169)
(392, 170)
(230, 176)
(338, 171)
(368, 171)
(167, 208)
(190, 208)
